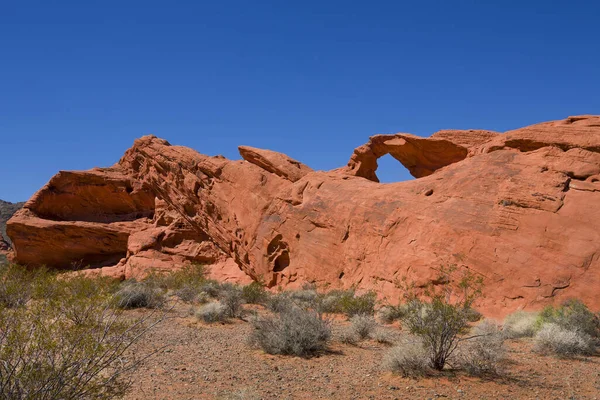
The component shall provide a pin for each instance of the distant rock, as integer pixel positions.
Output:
(7, 210)
(521, 209)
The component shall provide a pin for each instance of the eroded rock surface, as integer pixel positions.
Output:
(522, 209)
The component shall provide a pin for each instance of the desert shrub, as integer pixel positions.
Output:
(347, 336)
(255, 293)
(308, 297)
(388, 314)
(16, 285)
(294, 331)
(193, 275)
(520, 324)
(383, 336)
(280, 302)
(555, 339)
(363, 325)
(47, 355)
(347, 302)
(484, 353)
(211, 288)
(443, 317)
(189, 294)
(410, 359)
(139, 295)
(212, 312)
(572, 315)
(232, 299)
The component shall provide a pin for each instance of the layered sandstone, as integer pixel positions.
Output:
(522, 209)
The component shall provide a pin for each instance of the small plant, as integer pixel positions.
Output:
(139, 295)
(410, 359)
(388, 314)
(212, 312)
(484, 353)
(363, 325)
(383, 336)
(553, 338)
(520, 324)
(442, 320)
(255, 293)
(232, 299)
(347, 336)
(280, 302)
(347, 302)
(294, 331)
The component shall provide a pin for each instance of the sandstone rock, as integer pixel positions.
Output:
(4, 246)
(521, 209)
(274, 162)
(420, 156)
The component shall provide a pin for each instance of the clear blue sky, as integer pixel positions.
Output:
(80, 80)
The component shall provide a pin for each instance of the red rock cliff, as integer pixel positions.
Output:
(520, 208)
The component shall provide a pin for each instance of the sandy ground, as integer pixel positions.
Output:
(214, 361)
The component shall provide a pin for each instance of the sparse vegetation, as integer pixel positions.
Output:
(363, 325)
(255, 293)
(293, 331)
(64, 340)
(232, 300)
(388, 314)
(212, 312)
(572, 315)
(520, 324)
(347, 302)
(555, 339)
(484, 353)
(139, 295)
(410, 359)
(443, 318)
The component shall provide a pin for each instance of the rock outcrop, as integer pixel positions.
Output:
(522, 209)
(7, 209)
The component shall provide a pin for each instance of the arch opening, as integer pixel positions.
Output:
(390, 170)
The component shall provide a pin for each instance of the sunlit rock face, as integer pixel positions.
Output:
(521, 209)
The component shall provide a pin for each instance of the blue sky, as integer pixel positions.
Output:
(80, 80)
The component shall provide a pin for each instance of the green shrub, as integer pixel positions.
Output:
(294, 331)
(70, 346)
(572, 315)
(255, 293)
(231, 298)
(347, 302)
(16, 286)
(443, 317)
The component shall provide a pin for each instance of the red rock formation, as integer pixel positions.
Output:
(4, 246)
(522, 209)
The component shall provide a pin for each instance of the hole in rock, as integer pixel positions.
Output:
(282, 262)
(390, 170)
